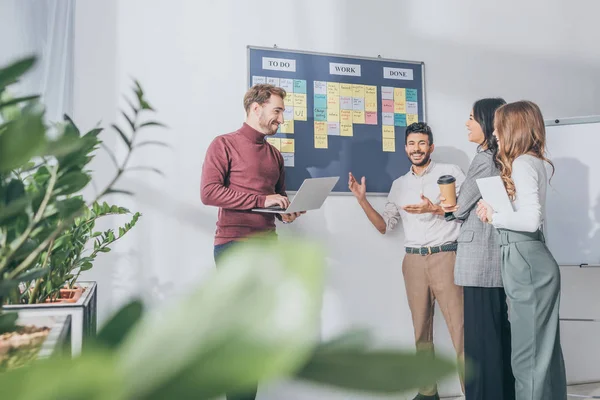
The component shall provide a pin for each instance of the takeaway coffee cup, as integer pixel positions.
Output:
(447, 184)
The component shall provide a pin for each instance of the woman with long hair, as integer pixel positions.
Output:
(478, 271)
(530, 273)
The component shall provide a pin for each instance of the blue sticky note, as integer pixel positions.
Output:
(411, 94)
(320, 114)
(299, 86)
(320, 101)
(400, 119)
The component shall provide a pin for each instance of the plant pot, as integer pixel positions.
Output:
(81, 307)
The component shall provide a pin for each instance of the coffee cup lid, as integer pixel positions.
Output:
(446, 179)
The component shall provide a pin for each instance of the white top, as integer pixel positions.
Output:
(422, 230)
(529, 175)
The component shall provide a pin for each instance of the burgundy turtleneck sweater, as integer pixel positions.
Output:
(240, 170)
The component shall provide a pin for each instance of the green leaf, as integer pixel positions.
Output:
(18, 100)
(382, 371)
(8, 323)
(143, 168)
(14, 71)
(72, 182)
(152, 123)
(255, 319)
(123, 135)
(120, 191)
(355, 339)
(116, 329)
(16, 207)
(70, 206)
(153, 143)
(22, 139)
(129, 121)
(7, 285)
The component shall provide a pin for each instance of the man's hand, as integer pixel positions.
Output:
(424, 207)
(447, 208)
(287, 218)
(277, 200)
(358, 189)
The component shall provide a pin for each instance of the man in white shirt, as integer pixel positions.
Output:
(430, 241)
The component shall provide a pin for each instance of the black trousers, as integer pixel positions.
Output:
(251, 394)
(487, 345)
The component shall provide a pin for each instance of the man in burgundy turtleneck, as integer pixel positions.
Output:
(242, 171)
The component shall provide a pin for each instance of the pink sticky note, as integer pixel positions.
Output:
(371, 118)
(387, 106)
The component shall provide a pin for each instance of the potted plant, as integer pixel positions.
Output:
(47, 229)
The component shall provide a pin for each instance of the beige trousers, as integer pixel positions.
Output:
(429, 278)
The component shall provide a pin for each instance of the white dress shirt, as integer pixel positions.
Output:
(422, 230)
(530, 178)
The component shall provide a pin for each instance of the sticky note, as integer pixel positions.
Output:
(333, 128)
(389, 145)
(300, 114)
(371, 118)
(320, 87)
(387, 119)
(288, 114)
(387, 93)
(387, 106)
(287, 126)
(333, 115)
(299, 100)
(321, 141)
(320, 128)
(287, 85)
(358, 117)
(333, 102)
(288, 101)
(358, 103)
(346, 129)
(275, 142)
(288, 159)
(320, 114)
(346, 116)
(358, 91)
(333, 89)
(320, 101)
(370, 98)
(412, 107)
(389, 132)
(287, 145)
(346, 103)
(299, 86)
(411, 118)
(400, 119)
(411, 95)
(346, 89)
(258, 79)
(400, 94)
(273, 81)
(399, 105)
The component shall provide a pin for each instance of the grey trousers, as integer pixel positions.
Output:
(532, 283)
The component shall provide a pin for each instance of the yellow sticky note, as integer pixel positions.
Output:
(411, 118)
(287, 126)
(289, 99)
(399, 106)
(333, 102)
(275, 142)
(287, 145)
(358, 117)
(389, 145)
(333, 89)
(300, 100)
(371, 98)
(320, 128)
(346, 89)
(346, 129)
(346, 116)
(358, 91)
(299, 114)
(321, 141)
(333, 115)
(400, 94)
(389, 132)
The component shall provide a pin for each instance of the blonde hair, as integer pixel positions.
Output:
(520, 129)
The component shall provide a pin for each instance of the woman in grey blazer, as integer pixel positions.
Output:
(477, 269)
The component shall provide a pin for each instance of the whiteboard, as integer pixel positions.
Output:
(572, 220)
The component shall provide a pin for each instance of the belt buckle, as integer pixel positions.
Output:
(425, 251)
(429, 250)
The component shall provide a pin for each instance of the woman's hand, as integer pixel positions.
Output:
(484, 211)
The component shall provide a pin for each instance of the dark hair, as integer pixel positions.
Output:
(261, 93)
(483, 112)
(419, 127)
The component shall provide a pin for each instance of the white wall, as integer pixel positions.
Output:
(191, 58)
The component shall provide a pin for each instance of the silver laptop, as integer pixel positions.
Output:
(310, 196)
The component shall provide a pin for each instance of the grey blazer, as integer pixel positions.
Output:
(478, 256)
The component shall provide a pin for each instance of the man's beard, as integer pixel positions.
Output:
(423, 162)
(268, 127)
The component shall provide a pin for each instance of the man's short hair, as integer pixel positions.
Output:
(261, 93)
(419, 127)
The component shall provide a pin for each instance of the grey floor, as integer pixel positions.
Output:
(588, 391)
